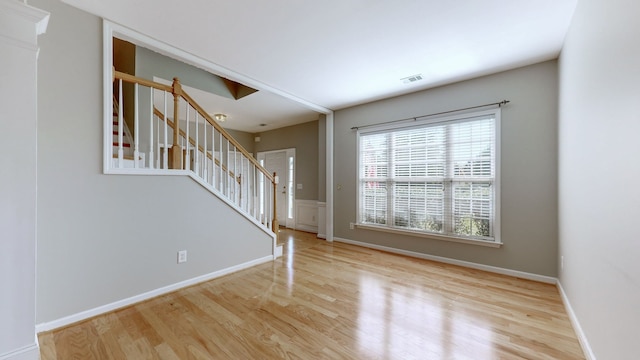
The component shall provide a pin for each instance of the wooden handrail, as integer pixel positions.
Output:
(274, 224)
(148, 83)
(160, 115)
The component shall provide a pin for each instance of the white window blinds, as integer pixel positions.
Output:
(437, 177)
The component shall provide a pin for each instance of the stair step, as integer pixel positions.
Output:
(123, 145)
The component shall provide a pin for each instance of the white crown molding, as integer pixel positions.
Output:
(22, 24)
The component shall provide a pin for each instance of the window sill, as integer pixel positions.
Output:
(487, 243)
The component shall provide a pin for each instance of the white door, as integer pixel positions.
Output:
(282, 162)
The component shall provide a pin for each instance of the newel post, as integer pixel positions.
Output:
(274, 224)
(175, 153)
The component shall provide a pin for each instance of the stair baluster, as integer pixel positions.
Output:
(120, 127)
(151, 122)
(136, 127)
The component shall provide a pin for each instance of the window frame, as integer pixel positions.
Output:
(427, 122)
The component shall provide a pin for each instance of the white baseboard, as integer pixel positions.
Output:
(145, 296)
(582, 338)
(30, 352)
(307, 228)
(489, 268)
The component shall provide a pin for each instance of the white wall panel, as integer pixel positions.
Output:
(20, 27)
(599, 167)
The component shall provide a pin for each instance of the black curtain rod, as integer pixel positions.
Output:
(415, 118)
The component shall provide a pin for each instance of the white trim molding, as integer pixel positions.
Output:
(22, 24)
(71, 319)
(582, 338)
(468, 264)
(30, 352)
(329, 178)
(322, 220)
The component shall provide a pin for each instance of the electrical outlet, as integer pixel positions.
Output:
(182, 256)
(350, 226)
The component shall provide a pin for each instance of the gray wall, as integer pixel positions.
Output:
(528, 165)
(150, 64)
(599, 168)
(104, 238)
(244, 138)
(304, 138)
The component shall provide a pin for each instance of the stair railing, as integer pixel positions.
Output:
(192, 142)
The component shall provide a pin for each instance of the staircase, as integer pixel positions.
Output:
(178, 137)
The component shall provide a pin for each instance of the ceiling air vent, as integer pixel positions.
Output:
(412, 78)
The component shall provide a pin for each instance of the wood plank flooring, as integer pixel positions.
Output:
(333, 301)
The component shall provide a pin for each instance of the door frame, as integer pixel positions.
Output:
(290, 220)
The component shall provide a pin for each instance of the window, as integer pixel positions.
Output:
(436, 177)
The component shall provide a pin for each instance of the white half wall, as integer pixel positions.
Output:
(306, 215)
(599, 168)
(21, 25)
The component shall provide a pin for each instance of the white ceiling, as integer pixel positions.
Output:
(340, 53)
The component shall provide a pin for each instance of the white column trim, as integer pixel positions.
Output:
(322, 221)
(329, 194)
(21, 25)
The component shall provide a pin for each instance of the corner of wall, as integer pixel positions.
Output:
(582, 338)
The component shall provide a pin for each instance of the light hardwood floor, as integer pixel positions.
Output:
(333, 301)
